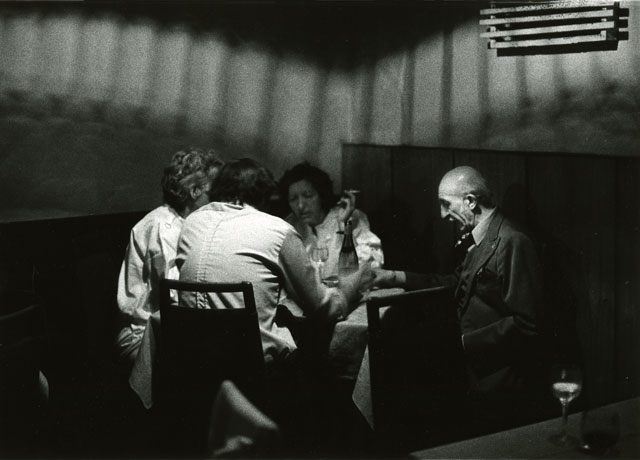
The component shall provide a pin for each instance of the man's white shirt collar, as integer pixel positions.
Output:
(480, 230)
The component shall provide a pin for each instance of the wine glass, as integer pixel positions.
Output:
(319, 255)
(566, 384)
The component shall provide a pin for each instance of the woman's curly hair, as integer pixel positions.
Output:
(319, 179)
(189, 168)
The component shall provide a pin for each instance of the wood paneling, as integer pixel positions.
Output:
(575, 202)
(415, 220)
(506, 175)
(583, 211)
(628, 276)
(401, 210)
(373, 179)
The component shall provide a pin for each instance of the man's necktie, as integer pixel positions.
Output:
(464, 243)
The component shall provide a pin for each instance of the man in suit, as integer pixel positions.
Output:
(499, 299)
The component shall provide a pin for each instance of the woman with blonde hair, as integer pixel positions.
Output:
(151, 253)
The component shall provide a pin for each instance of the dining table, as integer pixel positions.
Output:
(346, 352)
(619, 420)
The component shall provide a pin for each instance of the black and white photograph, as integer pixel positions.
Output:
(319, 229)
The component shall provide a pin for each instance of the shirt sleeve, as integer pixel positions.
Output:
(164, 260)
(428, 280)
(302, 283)
(163, 253)
(368, 244)
(150, 256)
(133, 293)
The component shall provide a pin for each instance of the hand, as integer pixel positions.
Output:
(384, 278)
(360, 281)
(347, 204)
(367, 277)
(337, 312)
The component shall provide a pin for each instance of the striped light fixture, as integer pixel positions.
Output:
(568, 26)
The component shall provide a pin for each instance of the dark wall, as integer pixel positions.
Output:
(583, 211)
(71, 266)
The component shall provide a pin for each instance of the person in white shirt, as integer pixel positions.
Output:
(232, 240)
(151, 252)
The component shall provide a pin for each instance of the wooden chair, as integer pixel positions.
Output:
(417, 376)
(197, 350)
(22, 337)
(27, 320)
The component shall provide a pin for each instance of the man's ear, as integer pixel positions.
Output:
(471, 201)
(195, 192)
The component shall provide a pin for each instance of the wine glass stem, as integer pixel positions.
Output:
(565, 421)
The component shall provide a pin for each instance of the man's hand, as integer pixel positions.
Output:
(355, 284)
(367, 277)
(385, 278)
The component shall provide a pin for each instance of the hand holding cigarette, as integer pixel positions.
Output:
(347, 204)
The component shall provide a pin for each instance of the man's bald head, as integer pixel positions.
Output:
(465, 180)
(464, 197)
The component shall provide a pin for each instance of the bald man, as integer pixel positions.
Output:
(498, 294)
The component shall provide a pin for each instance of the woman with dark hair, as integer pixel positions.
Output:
(151, 252)
(232, 239)
(319, 216)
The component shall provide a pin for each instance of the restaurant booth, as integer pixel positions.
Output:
(96, 97)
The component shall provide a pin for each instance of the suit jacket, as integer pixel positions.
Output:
(499, 299)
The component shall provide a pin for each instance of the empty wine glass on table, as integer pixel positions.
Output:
(566, 385)
(319, 255)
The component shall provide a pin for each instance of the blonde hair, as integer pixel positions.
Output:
(188, 168)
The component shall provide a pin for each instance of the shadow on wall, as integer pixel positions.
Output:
(73, 155)
(603, 118)
(60, 159)
(334, 33)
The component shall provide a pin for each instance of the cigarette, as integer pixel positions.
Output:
(352, 191)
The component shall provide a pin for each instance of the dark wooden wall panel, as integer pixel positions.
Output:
(389, 182)
(628, 276)
(575, 202)
(583, 211)
(373, 179)
(506, 175)
(416, 211)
